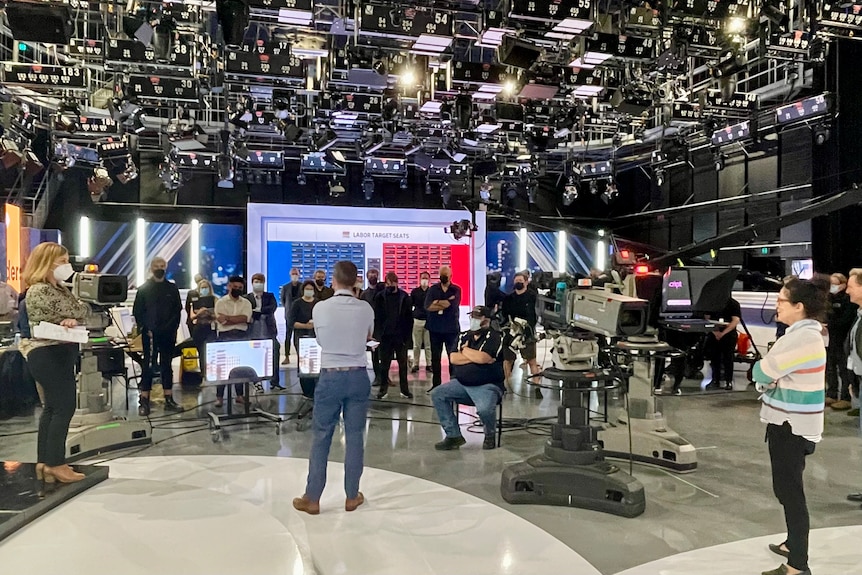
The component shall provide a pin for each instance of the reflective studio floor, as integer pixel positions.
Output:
(195, 503)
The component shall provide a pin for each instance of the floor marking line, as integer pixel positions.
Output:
(689, 484)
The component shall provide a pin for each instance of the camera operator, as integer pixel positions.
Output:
(157, 310)
(52, 363)
(521, 303)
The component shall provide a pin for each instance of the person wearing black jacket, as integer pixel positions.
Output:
(263, 326)
(157, 311)
(289, 293)
(842, 314)
(374, 288)
(393, 324)
(520, 304)
(442, 303)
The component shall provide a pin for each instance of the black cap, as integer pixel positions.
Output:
(481, 311)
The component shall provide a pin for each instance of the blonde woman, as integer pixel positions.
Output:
(52, 363)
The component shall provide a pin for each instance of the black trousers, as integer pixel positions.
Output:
(787, 453)
(276, 363)
(389, 349)
(438, 340)
(288, 338)
(158, 346)
(720, 353)
(838, 377)
(375, 361)
(53, 367)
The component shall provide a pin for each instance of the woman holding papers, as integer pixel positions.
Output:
(52, 362)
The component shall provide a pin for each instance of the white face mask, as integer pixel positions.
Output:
(257, 287)
(309, 293)
(423, 283)
(833, 289)
(63, 272)
(475, 324)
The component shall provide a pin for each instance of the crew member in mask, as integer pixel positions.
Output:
(263, 321)
(421, 336)
(477, 379)
(233, 315)
(842, 315)
(442, 303)
(321, 290)
(302, 325)
(290, 292)
(520, 304)
(393, 323)
(375, 287)
(157, 311)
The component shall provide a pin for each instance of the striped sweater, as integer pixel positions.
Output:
(797, 365)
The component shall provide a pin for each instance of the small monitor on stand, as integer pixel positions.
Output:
(223, 356)
(803, 269)
(676, 293)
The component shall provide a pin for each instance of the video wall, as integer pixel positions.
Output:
(542, 254)
(405, 241)
(114, 245)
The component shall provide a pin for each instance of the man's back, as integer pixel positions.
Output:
(343, 325)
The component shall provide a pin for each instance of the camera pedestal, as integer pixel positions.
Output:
(94, 428)
(652, 441)
(572, 471)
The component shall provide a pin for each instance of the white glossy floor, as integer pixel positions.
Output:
(232, 514)
(834, 551)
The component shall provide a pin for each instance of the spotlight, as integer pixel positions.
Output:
(407, 78)
(380, 65)
(594, 187)
(98, 183)
(730, 64)
(130, 173)
(461, 229)
(403, 184)
(233, 17)
(428, 189)
(611, 192)
(485, 191)
(445, 192)
(300, 179)
(368, 187)
(736, 25)
(659, 177)
(335, 188)
(225, 171)
(511, 191)
(718, 161)
(169, 174)
(821, 135)
(570, 192)
(509, 87)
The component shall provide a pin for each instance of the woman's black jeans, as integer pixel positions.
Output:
(787, 453)
(53, 366)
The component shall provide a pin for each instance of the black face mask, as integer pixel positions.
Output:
(372, 280)
(444, 279)
(392, 289)
(236, 293)
(519, 285)
(158, 274)
(319, 283)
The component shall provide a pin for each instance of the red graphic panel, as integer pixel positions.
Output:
(410, 260)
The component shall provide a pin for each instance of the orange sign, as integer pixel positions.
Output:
(14, 263)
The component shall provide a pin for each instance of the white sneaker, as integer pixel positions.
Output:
(657, 391)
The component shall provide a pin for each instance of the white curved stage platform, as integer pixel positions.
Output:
(218, 515)
(833, 551)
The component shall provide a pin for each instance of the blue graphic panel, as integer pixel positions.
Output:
(221, 255)
(542, 251)
(501, 255)
(581, 253)
(308, 257)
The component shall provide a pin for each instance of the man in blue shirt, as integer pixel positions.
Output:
(478, 379)
(442, 304)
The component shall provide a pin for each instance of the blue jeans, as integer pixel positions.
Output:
(484, 397)
(337, 393)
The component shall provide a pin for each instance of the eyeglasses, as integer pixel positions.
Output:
(783, 299)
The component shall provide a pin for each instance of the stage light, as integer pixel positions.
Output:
(380, 65)
(445, 192)
(225, 171)
(730, 64)
(428, 189)
(300, 179)
(407, 79)
(403, 184)
(594, 187)
(170, 176)
(641, 270)
(611, 192)
(485, 191)
(233, 17)
(570, 192)
(336, 188)
(659, 177)
(130, 173)
(736, 25)
(719, 161)
(821, 135)
(461, 229)
(368, 187)
(509, 87)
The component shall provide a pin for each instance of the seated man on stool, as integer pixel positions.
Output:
(478, 379)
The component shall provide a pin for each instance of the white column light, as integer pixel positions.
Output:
(601, 255)
(140, 252)
(522, 249)
(562, 251)
(194, 267)
(84, 237)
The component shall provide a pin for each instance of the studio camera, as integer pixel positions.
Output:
(609, 314)
(100, 289)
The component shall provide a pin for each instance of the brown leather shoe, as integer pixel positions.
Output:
(303, 504)
(352, 504)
